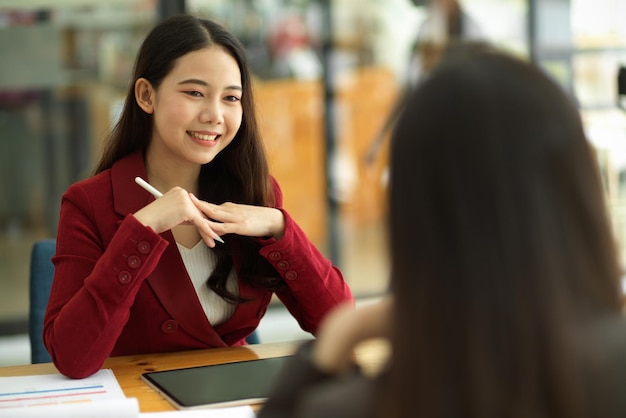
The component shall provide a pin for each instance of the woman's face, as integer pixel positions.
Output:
(197, 108)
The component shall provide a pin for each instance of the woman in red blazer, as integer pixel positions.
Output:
(139, 274)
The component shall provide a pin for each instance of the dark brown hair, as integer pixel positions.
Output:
(239, 173)
(500, 244)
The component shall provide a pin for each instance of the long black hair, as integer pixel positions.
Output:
(500, 244)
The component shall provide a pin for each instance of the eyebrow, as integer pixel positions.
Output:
(205, 84)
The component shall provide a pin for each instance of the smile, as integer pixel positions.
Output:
(202, 137)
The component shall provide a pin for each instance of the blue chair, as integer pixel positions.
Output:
(253, 338)
(41, 275)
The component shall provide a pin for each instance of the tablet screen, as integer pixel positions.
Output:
(228, 384)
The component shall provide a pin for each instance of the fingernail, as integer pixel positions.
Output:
(219, 239)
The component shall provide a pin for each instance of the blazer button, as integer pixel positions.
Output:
(169, 327)
(291, 275)
(124, 277)
(144, 247)
(134, 262)
(283, 265)
(275, 255)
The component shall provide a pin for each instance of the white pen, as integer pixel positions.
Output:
(148, 187)
(154, 192)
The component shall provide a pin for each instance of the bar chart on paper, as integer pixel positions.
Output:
(55, 389)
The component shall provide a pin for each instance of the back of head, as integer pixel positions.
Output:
(500, 242)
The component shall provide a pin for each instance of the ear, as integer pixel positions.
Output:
(144, 95)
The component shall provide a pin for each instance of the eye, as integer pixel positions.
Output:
(193, 93)
(232, 98)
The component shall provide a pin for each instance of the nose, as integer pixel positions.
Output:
(212, 112)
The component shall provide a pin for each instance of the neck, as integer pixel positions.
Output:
(165, 173)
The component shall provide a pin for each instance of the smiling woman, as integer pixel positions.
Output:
(139, 274)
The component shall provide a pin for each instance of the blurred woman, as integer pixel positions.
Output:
(505, 298)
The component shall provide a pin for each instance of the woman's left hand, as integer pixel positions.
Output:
(246, 220)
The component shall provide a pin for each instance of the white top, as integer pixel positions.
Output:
(200, 262)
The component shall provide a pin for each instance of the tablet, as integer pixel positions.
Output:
(220, 385)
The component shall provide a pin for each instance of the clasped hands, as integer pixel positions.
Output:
(178, 207)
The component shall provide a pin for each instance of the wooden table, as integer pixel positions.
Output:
(128, 369)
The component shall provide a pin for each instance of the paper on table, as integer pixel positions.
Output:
(106, 408)
(55, 389)
(233, 412)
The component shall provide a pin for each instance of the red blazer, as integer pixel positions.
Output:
(119, 288)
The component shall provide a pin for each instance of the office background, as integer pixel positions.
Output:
(327, 74)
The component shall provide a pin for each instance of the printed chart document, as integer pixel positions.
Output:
(54, 395)
(96, 396)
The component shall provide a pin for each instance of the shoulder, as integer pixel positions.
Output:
(114, 185)
(93, 186)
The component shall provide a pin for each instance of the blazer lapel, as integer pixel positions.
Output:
(128, 196)
(174, 289)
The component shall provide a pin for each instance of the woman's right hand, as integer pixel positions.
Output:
(175, 208)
